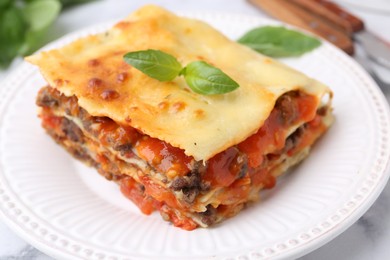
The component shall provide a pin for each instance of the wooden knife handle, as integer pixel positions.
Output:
(292, 13)
(334, 13)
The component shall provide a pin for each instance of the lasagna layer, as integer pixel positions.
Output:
(93, 70)
(158, 176)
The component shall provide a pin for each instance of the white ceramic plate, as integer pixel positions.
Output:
(68, 211)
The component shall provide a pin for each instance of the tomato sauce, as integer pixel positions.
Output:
(163, 156)
(50, 121)
(272, 135)
(142, 197)
(264, 178)
(223, 168)
(236, 169)
(182, 222)
(158, 192)
(134, 191)
(116, 135)
(238, 191)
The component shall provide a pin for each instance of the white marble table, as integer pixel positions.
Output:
(368, 238)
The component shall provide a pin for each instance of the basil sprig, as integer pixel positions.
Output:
(24, 25)
(208, 80)
(277, 41)
(201, 77)
(154, 63)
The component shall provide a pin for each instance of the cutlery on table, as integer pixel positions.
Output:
(331, 22)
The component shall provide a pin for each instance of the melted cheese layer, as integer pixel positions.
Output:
(92, 69)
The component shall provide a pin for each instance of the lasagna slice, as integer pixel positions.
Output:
(196, 159)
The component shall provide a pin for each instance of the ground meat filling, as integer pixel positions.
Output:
(294, 139)
(190, 185)
(72, 131)
(288, 109)
(46, 98)
(209, 217)
(226, 170)
(123, 139)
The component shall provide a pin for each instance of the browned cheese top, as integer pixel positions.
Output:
(93, 69)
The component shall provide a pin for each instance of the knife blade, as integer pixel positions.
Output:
(377, 49)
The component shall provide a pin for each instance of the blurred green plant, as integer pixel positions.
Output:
(24, 23)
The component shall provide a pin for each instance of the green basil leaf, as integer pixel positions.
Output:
(276, 41)
(154, 63)
(12, 29)
(68, 3)
(206, 79)
(4, 3)
(40, 14)
(33, 40)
